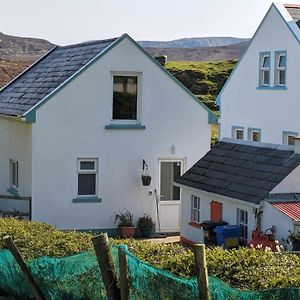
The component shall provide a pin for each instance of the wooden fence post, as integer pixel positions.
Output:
(19, 259)
(124, 283)
(107, 266)
(202, 275)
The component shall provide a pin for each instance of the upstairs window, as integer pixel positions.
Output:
(87, 177)
(265, 63)
(238, 133)
(254, 134)
(288, 137)
(280, 76)
(195, 209)
(125, 97)
(14, 173)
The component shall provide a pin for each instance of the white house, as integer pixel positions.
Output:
(254, 185)
(76, 126)
(260, 100)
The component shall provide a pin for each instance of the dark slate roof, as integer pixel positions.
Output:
(46, 75)
(244, 171)
(283, 197)
(294, 11)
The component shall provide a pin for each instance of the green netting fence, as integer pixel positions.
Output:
(78, 277)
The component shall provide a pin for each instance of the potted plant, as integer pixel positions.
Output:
(146, 226)
(295, 240)
(125, 224)
(146, 178)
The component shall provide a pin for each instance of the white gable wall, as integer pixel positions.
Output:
(271, 110)
(289, 184)
(71, 125)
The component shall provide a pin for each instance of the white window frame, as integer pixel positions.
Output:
(250, 134)
(234, 132)
(286, 135)
(264, 69)
(139, 98)
(280, 69)
(243, 223)
(195, 209)
(88, 171)
(14, 182)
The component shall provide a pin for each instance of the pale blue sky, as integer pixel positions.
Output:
(71, 21)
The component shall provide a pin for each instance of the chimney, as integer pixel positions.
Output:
(297, 144)
(162, 59)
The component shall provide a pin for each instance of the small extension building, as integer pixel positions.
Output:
(250, 184)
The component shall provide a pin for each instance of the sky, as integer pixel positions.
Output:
(70, 21)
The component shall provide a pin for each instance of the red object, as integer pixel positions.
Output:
(194, 224)
(266, 239)
(291, 209)
(215, 211)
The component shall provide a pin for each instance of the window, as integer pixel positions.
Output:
(125, 97)
(87, 177)
(265, 62)
(237, 133)
(280, 75)
(14, 173)
(195, 209)
(288, 137)
(242, 220)
(254, 134)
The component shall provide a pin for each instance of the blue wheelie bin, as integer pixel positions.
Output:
(228, 236)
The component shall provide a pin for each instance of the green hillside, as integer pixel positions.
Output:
(203, 79)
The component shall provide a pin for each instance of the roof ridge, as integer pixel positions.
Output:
(87, 43)
(291, 5)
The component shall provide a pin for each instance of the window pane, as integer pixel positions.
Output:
(239, 134)
(86, 184)
(256, 136)
(281, 77)
(290, 140)
(281, 61)
(125, 98)
(87, 165)
(266, 62)
(266, 77)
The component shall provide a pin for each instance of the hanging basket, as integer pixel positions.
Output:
(146, 180)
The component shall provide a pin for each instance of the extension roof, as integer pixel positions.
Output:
(37, 84)
(247, 171)
(294, 11)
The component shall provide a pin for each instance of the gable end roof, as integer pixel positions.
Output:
(36, 85)
(247, 172)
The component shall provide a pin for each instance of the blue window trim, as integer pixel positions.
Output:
(272, 88)
(125, 126)
(91, 199)
(233, 128)
(261, 55)
(250, 129)
(277, 53)
(13, 191)
(285, 133)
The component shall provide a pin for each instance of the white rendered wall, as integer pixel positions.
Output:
(289, 184)
(71, 125)
(273, 111)
(15, 137)
(229, 211)
(273, 217)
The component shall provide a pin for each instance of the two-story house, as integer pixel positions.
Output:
(77, 125)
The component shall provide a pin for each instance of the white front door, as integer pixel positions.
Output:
(169, 194)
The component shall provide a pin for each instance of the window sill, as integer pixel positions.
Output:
(125, 126)
(87, 200)
(194, 224)
(13, 191)
(271, 88)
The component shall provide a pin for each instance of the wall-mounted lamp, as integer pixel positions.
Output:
(146, 179)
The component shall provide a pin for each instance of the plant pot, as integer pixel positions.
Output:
(126, 232)
(146, 179)
(147, 232)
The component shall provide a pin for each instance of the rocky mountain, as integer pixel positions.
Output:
(194, 42)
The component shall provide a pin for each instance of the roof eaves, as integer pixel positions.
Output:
(30, 115)
(212, 118)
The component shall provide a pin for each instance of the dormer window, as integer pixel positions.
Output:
(125, 97)
(265, 63)
(280, 76)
